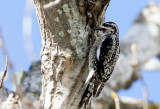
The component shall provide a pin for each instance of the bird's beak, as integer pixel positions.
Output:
(99, 28)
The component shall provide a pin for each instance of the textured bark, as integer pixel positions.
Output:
(4, 93)
(31, 81)
(12, 101)
(9, 100)
(66, 33)
(144, 32)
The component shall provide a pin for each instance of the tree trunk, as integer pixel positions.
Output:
(66, 38)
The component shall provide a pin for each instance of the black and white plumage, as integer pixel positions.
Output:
(102, 60)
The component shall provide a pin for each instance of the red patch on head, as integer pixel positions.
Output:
(103, 31)
(110, 22)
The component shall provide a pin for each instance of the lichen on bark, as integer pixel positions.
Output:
(66, 33)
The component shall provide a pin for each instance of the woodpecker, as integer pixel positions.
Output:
(102, 60)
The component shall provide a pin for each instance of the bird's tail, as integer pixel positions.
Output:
(99, 89)
(86, 95)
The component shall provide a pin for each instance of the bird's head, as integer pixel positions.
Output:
(107, 27)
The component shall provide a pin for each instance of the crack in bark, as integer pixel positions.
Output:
(73, 88)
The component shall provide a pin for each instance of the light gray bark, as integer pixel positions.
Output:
(9, 100)
(66, 32)
(65, 70)
(31, 83)
(65, 40)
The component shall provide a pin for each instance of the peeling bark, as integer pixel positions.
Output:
(66, 33)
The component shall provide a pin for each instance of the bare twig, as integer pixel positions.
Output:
(10, 65)
(116, 99)
(4, 73)
(145, 93)
(136, 64)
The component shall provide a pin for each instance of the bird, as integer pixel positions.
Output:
(102, 60)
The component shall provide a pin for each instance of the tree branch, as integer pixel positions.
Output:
(66, 29)
(4, 73)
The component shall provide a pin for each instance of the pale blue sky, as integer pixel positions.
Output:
(123, 12)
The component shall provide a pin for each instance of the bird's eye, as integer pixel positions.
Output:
(103, 31)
